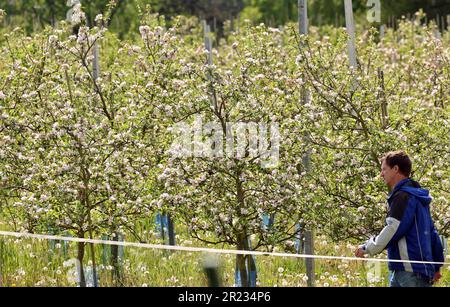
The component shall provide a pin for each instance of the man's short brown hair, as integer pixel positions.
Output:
(399, 158)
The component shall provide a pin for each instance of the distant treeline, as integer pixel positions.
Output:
(35, 14)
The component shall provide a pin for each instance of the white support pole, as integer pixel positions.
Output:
(442, 24)
(96, 62)
(231, 23)
(238, 24)
(382, 98)
(382, 31)
(350, 25)
(208, 46)
(437, 32)
(302, 17)
(309, 250)
(438, 22)
(444, 242)
(303, 30)
(280, 39)
(309, 234)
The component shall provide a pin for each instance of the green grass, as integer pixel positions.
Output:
(33, 262)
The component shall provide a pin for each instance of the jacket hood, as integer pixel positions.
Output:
(421, 194)
(412, 187)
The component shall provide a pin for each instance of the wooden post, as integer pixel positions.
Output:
(350, 25)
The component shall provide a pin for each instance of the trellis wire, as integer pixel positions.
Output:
(207, 250)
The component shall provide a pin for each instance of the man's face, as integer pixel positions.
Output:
(388, 174)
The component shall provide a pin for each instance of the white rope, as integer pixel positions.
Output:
(206, 250)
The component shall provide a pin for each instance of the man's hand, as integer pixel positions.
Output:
(437, 276)
(359, 252)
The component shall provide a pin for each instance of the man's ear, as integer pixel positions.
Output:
(395, 168)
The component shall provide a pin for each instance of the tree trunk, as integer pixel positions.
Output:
(245, 264)
(82, 278)
(115, 263)
(170, 230)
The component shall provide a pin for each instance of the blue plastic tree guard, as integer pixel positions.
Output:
(65, 245)
(444, 241)
(165, 228)
(268, 220)
(52, 243)
(251, 271)
(106, 255)
(89, 276)
(298, 239)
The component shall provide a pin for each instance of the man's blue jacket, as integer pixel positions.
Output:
(409, 233)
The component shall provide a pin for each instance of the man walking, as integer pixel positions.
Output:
(409, 233)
